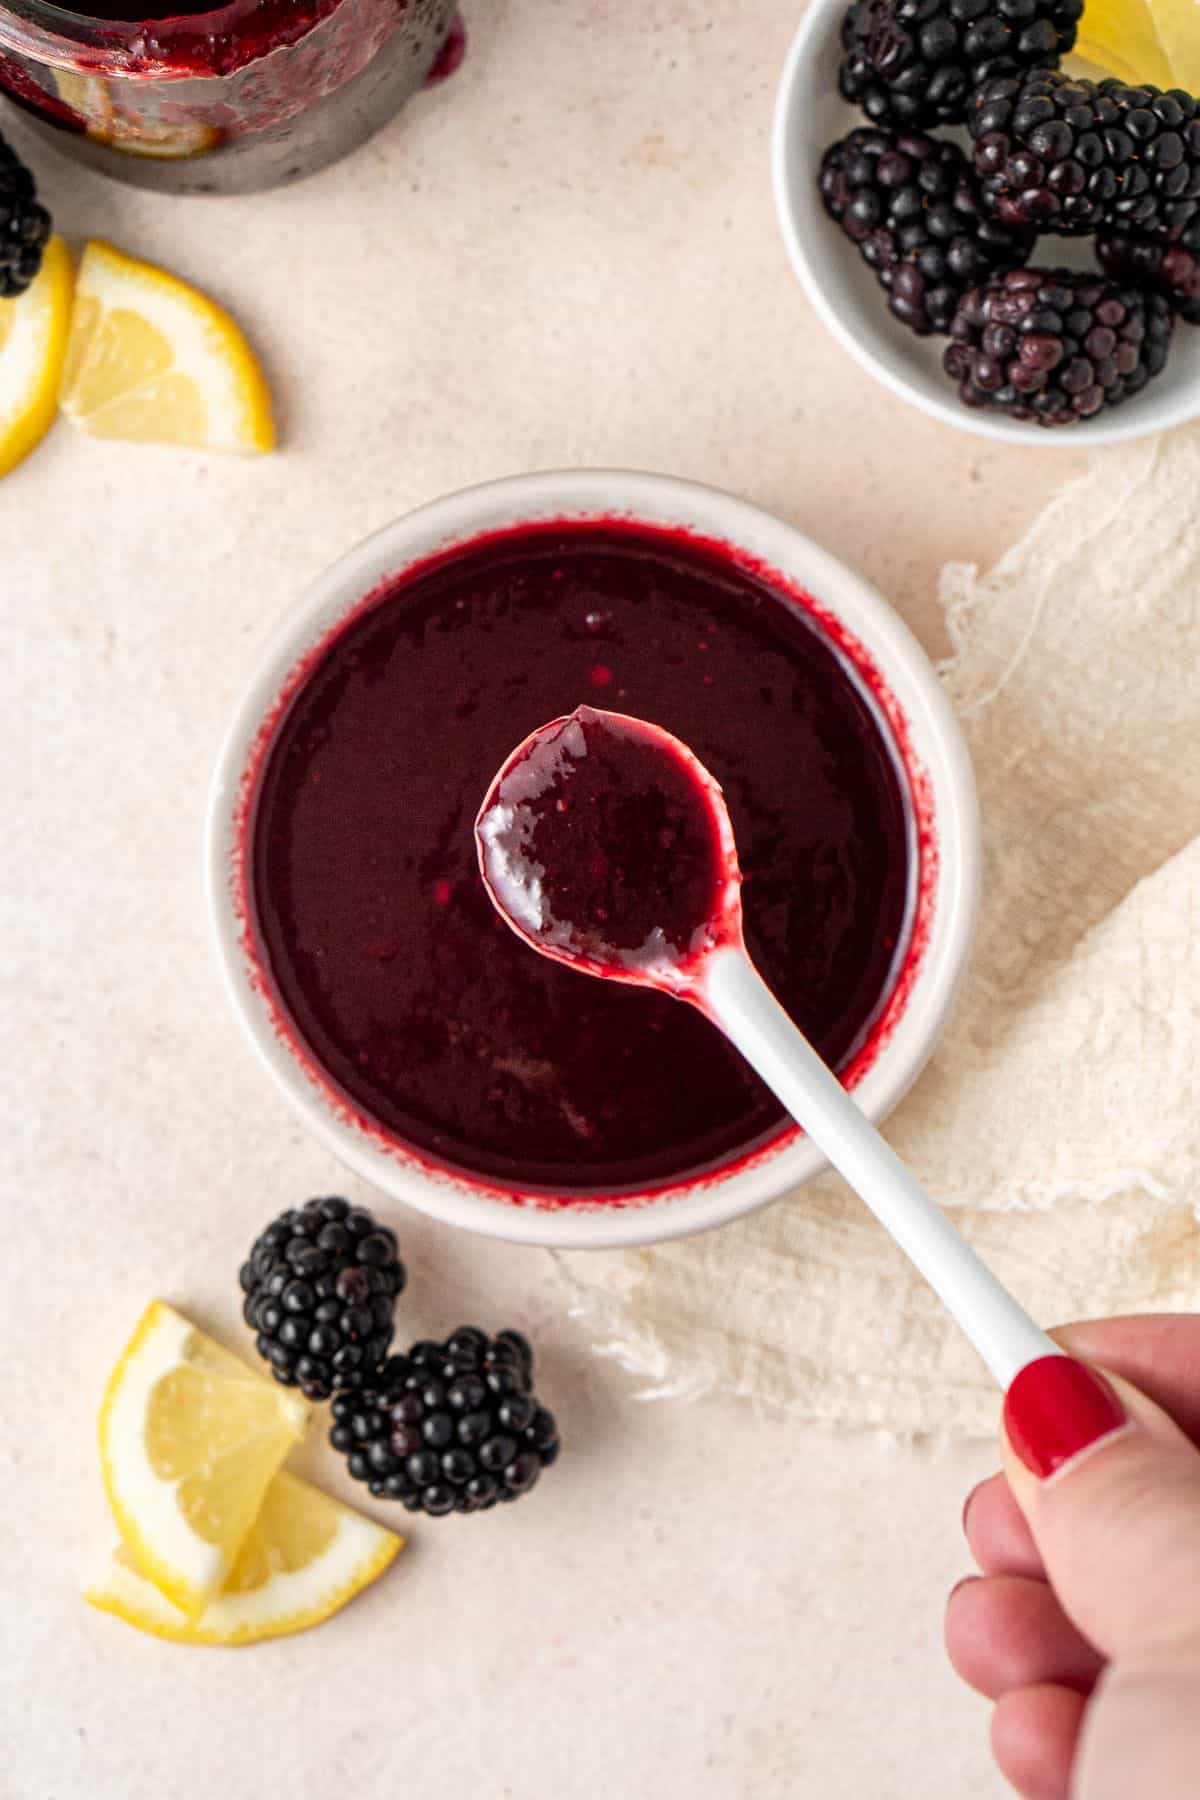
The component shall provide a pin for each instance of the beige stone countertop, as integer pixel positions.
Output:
(567, 255)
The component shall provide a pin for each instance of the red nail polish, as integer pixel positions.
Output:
(1055, 1409)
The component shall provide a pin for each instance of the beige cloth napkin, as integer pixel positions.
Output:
(1060, 1118)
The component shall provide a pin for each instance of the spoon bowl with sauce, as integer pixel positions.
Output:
(605, 844)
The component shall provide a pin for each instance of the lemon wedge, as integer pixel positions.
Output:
(153, 361)
(305, 1557)
(1144, 40)
(190, 1440)
(1178, 25)
(33, 343)
(91, 99)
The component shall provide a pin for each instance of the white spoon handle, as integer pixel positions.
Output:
(739, 1001)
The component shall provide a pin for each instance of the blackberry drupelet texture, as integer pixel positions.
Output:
(24, 225)
(1056, 346)
(321, 1286)
(1077, 157)
(912, 206)
(1173, 270)
(915, 63)
(451, 1427)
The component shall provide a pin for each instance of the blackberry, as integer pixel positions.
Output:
(1055, 345)
(1077, 156)
(1173, 270)
(451, 1427)
(24, 226)
(321, 1286)
(915, 62)
(911, 205)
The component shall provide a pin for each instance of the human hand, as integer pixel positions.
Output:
(1084, 1626)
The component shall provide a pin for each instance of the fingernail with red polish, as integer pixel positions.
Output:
(1055, 1409)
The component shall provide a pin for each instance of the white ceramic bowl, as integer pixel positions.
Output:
(810, 115)
(941, 791)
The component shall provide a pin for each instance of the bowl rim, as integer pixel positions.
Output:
(741, 1186)
(819, 18)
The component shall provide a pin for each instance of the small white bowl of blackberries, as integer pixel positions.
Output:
(1007, 242)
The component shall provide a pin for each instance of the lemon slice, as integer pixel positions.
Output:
(33, 343)
(168, 143)
(90, 99)
(1178, 24)
(153, 361)
(305, 1557)
(1144, 40)
(190, 1440)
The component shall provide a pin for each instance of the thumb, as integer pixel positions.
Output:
(1110, 1487)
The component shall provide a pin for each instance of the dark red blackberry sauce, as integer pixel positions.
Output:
(452, 55)
(600, 843)
(237, 32)
(129, 10)
(191, 37)
(377, 935)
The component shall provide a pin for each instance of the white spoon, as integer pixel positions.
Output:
(606, 844)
